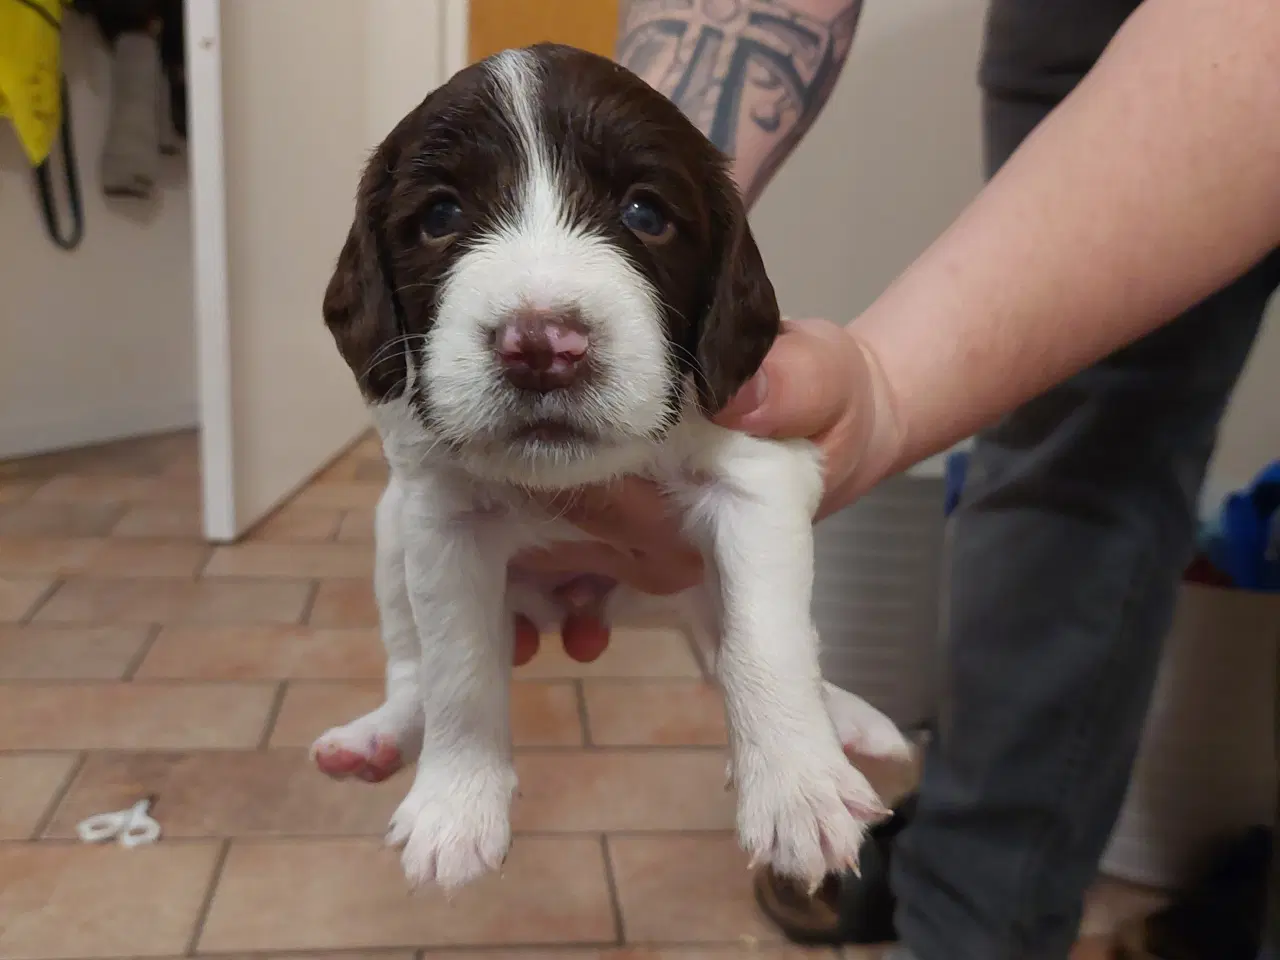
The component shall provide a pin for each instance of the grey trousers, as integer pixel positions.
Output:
(1077, 520)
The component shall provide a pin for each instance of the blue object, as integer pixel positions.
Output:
(1244, 543)
(957, 469)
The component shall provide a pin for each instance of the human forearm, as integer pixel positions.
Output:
(753, 79)
(1154, 184)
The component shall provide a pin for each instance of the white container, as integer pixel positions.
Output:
(1207, 763)
(877, 573)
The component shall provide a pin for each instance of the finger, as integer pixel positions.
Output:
(526, 645)
(585, 593)
(663, 576)
(632, 512)
(574, 556)
(803, 387)
(585, 637)
(659, 575)
(747, 400)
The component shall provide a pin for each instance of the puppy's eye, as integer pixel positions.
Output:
(442, 218)
(647, 220)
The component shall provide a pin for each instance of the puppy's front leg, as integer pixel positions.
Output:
(802, 807)
(454, 824)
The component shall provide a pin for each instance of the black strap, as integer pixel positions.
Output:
(42, 13)
(44, 182)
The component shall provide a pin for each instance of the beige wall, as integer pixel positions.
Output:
(97, 343)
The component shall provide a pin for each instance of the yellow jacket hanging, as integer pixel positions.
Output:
(30, 72)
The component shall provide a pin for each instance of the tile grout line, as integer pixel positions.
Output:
(580, 694)
(582, 949)
(567, 949)
(58, 797)
(544, 750)
(215, 878)
(175, 681)
(309, 604)
(135, 663)
(375, 837)
(611, 883)
(202, 567)
(273, 714)
(125, 509)
(706, 670)
(69, 626)
(41, 601)
(572, 948)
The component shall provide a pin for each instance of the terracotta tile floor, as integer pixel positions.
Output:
(135, 659)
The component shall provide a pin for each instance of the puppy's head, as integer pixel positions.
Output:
(548, 263)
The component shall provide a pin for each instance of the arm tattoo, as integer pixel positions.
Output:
(742, 70)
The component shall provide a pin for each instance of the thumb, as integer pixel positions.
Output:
(802, 388)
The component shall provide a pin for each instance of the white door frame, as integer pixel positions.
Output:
(209, 247)
(214, 367)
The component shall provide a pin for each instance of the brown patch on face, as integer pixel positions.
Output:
(611, 138)
(615, 136)
(742, 320)
(382, 298)
(360, 307)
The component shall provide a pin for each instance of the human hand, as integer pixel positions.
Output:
(640, 545)
(818, 383)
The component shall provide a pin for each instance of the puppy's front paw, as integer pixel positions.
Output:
(454, 826)
(804, 811)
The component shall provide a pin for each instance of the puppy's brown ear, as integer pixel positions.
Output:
(742, 320)
(360, 303)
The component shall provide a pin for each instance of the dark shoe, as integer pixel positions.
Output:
(848, 907)
(1218, 916)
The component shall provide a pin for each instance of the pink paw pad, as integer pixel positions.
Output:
(339, 762)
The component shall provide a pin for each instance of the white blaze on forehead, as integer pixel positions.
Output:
(537, 236)
(538, 253)
(519, 83)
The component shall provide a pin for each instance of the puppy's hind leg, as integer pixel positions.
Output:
(374, 746)
(862, 728)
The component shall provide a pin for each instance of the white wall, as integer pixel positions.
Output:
(412, 47)
(98, 343)
(1250, 436)
(893, 158)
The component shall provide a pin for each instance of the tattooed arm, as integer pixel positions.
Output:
(752, 74)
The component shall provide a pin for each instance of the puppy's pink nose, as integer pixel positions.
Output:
(542, 350)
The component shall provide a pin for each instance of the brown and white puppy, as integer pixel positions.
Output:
(550, 282)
